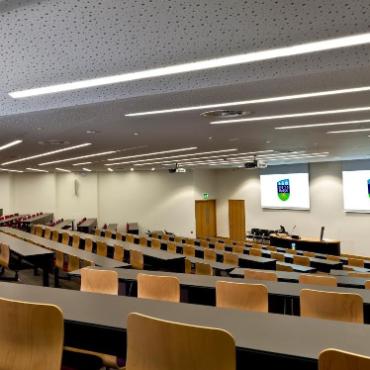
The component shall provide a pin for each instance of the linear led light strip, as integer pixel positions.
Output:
(8, 170)
(251, 57)
(294, 115)
(349, 131)
(154, 153)
(255, 101)
(77, 158)
(35, 169)
(62, 170)
(171, 157)
(311, 125)
(81, 163)
(9, 145)
(47, 153)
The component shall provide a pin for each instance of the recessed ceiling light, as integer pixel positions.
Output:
(251, 57)
(77, 158)
(36, 170)
(110, 169)
(132, 169)
(293, 115)
(47, 153)
(86, 169)
(349, 131)
(62, 170)
(315, 94)
(9, 145)
(8, 170)
(81, 164)
(154, 153)
(323, 124)
(136, 134)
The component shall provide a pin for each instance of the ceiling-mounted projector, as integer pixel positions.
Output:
(177, 169)
(255, 164)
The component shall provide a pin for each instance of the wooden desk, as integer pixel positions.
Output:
(21, 250)
(40, 219)
(65, 225)
(88, 225)
(98, 322)
(325, 246)
(10, 219)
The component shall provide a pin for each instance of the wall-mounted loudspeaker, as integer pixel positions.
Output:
(77, 187)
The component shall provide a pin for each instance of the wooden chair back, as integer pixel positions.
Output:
(65, 238)
(290, 250)
(39, 231)
(143, 241)
(367, 284)
(188, 267)
(220, 246)
(210, 254)
(333, 258)
(203, 268)
(99, 281)
(278, 256)
(108, 234)
(272, 248)
(189, 241)
(332, 305)
(101, 249)
(309, 254)
(136, 259)
(73, 263)
(361, 275)
(156, 244)
(76, 241)
(188, 250)
(242, 296)
(31, 336)
(283, 267)
(317, 280)
(4, 255)
(178, 239)
(97, 232)
(89, 245)
(130, 238)
(119, 236)
(119, 253)
(334, 359)
(301, 260)
(170, 345)
(231, 259)
(59, 260)
(260, 275)
(47, 233)
(171, 247)
(239, 249)
(255, 252)
(162, 288)
(357, 262)
(203, 243)
(55, 236)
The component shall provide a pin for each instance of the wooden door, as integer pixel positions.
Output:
(237, 219)
(205, 218)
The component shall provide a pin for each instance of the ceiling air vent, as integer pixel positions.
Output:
(223, 113)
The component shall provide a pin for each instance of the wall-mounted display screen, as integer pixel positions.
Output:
(285, 191)
(356, 191)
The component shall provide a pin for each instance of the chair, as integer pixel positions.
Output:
(65, 238)
(73, 263)
(272, 248)
(242, 296)
(260, 275)
(33, 229)
(55, 236)
(172, 247)
(332, 306)
(290, 250)
(143, 241)
(31, 336)
(189, 241)
(130, 238)
(301, 260)
(257, 246)
(284, 267)
(136, 260)
(165, 237)
(38, 231)
(101, 249)
(76, 241)
(317, 280)
(220, 246)
(239, 249)
(97, 232)
(119, 236)
(178, 239)
(156, 244)
(47, 233)
(162, 288)
(188, 250)
(309, 254)
(59, 260)
(361, 275)
(255, 252)
(278, 256)
(119, 253)
(99, 281)
(231, 259)
(188, 267)
(330, 257)
(108, 234)
(334, 359)
(357, 262)
(169, 345)
(5, 260)
(209, 255)
(203, 268)
(203, 243)
(88, 245)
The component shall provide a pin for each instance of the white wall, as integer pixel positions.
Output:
(326, 207)
(6, 193)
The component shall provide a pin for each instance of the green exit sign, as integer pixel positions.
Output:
(205, 196)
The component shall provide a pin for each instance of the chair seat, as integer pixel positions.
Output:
(108, 360)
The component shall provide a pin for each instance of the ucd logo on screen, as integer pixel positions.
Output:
(283, 189)
(368, 187)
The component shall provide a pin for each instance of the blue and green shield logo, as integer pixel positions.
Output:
(368, 187)
(283, 189)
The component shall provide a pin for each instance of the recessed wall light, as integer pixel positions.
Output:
(293, 115)
(312, 125)
(77, 158)
(47, 153)
(9, 145)
(36, 170)
(251, 57)
(62, 170)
